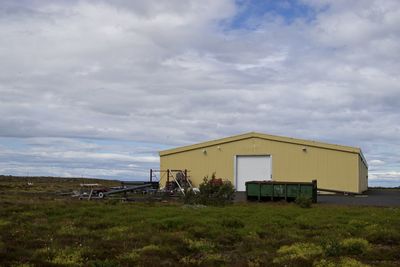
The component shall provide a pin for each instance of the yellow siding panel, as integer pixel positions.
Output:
(333, 169)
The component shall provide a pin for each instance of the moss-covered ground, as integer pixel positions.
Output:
(53, 230)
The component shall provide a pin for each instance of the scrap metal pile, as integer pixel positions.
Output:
(169, 184)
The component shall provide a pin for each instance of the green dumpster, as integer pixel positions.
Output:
(253, 190)
(266, 190)
(273, 190)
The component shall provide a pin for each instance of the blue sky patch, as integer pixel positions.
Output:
(253, 13)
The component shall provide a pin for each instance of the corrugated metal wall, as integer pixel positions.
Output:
(337, 170)
(363, 175)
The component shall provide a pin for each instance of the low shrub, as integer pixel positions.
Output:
(325, 263)
(214, 259)
(43, 254)
(191, 197)
(345, 262)
(232, 223)
(169, 224)
(24, 265)
(358, 224)
(116, 232)
(263, 233)
(112, 202)
(298, 254)
(200, 245)
(332, 247)
(190, 261)
(349, 262)
(354, 246)
(305, 222)
(104, 263)
(356, 227)
(209, 259)
(214, 191)
(255, 263)
(68, 256)
(150, 255)
(303, 201)
(150, 250)
(3, 223)
(382, 235)
(227, 238)
(200, 231)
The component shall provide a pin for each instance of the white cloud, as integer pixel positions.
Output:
(176, 72)
(376, 162)
(388, 176)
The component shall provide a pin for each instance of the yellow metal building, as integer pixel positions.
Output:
(256, 156)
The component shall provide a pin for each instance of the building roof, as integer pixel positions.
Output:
(266, 137)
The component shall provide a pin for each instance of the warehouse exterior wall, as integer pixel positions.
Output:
(333, 169)
(363, 175)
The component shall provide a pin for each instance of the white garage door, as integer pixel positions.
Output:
(252, 168)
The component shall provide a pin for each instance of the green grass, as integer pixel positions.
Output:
(59, 231)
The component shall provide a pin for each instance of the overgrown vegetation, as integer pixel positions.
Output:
(303, 201)
(50, 230)
(298, 254)
(214, 191)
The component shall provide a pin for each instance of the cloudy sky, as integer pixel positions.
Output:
(97, 88)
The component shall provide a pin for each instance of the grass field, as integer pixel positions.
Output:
(42, 229)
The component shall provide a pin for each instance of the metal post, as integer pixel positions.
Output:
(151, 175)
(285, 192)
(177, 182)
(90, 195)
(314, 193)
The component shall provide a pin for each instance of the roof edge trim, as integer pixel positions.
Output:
(266, 137)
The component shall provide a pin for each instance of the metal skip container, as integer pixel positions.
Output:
(274, 190)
